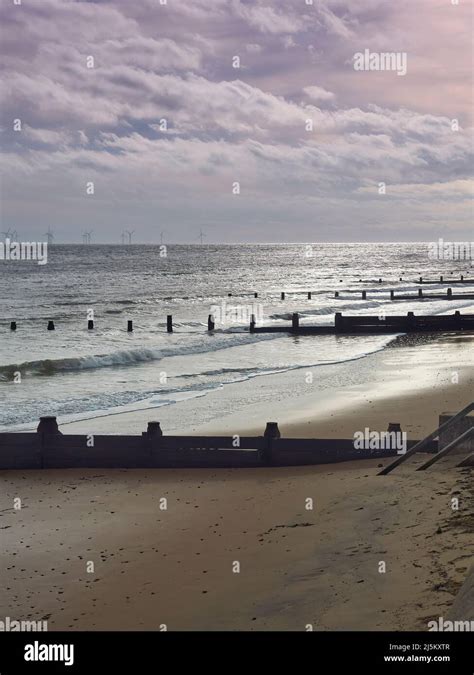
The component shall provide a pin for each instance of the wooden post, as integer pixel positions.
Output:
(421, 280)
(282, 296)
(50, 325)
(364, 295)
(380, 281)
(271, 432)
(255, 295)
(295, 321)
(410, 320)
(392, 295)
(210, 322)
(336, 294)
(13, 325)
(394, 426)
(130, 326)
(309, 295)
(449, 293)
(420, 292)
(154, 429)
(252, 323)
(169, 323)
(229, 295)
(462, 277)
(338, 322)
(90, 324)
(400, 279)
(441, 278)
(48, 425)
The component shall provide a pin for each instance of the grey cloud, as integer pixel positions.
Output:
(228, 124)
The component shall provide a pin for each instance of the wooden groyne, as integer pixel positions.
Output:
(285, 295)
(449, 295)
(346, 324)
(355, 325)
(420, 295)
(48, 448)
(442, 280)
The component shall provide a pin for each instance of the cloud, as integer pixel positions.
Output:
(253, 48)
(266, 19)
(307, 137)
(463, 188)
(318, 93)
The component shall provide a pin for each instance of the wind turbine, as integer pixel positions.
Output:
(161, 236)
(201, 236)
(8, 233)
(130, 235)
(15, 235)
(88, 234)
(49, 235)
(123, 238)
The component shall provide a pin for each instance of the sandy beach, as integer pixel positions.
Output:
(237, 282)
(175, 566)
(240, 549)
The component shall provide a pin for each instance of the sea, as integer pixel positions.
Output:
(78, 374)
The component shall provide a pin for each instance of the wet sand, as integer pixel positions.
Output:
(411, 382)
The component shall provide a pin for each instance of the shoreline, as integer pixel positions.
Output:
(297, 565)
(409, 381)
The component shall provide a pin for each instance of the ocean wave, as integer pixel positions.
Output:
(247, 372)
(130, 357)
(115, 403)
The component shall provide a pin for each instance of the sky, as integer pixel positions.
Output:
(246, 119)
